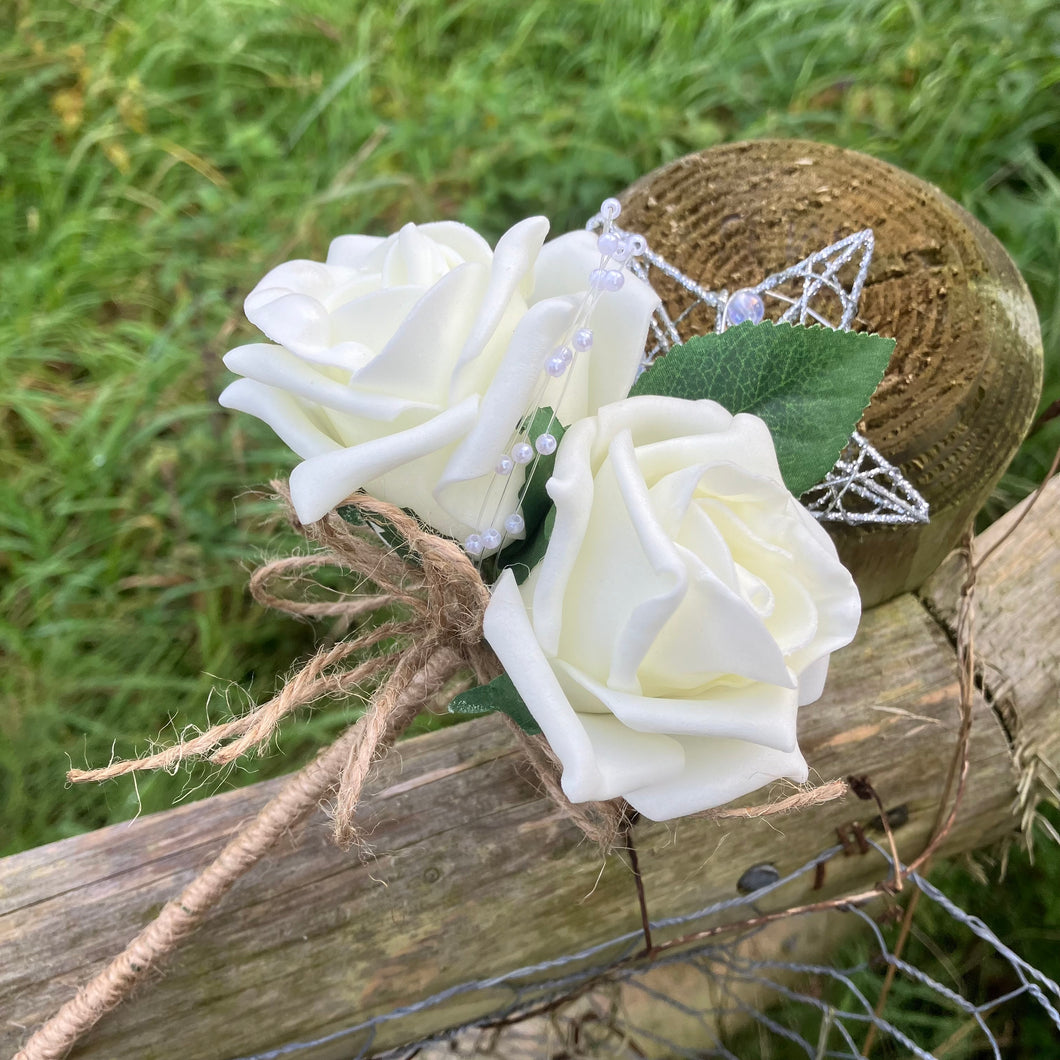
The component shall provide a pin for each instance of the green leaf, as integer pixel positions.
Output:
(539, 513)
(522, 556)
(500, 694)
(536, 502)
(809, 384)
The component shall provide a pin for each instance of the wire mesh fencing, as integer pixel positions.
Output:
(719, 982)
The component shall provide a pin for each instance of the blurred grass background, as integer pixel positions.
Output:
(158, 156)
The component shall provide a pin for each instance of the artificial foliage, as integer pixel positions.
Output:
(809, 384)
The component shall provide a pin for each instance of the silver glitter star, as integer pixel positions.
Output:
(863, 487)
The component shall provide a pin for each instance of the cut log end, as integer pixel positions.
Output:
(965, 380)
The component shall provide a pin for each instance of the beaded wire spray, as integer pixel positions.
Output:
(618, 250)
(863, 487)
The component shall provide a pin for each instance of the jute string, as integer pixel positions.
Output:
(182, 915)
(601, 822)
(433, 590)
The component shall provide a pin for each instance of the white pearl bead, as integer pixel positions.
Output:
(596, 279)
(583, 340)
(504, 465)
(473, 545)
(637, 245)
(622, 251)
(545, 444)
(515, 524)
(613, 280)
(522, 452)
(555, 366)
(744, 305)
(608, 243)
(491, 538)
(611, 208)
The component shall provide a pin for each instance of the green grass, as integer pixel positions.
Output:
(156, 158)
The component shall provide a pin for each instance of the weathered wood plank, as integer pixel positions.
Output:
(1017, 630)
(475, 872)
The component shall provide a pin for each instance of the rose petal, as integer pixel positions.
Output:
(742, 444)
(622, 758)
(277, 367)
(571, 488)
(831, 610)
(812, 681)
(700, 536)
(413, 258)
(600, 756)
(563, 266)
(300, 276)
(409, 486)
(373, 318)
(619, 321)
(321, 482)
(349, 252)
(793, 621)
(290, 318)
(745, 526)
(305, 326)
(672, 498)
(837, 624)
(654, 418)
(757, 712)
(512, 263)
(462, 240)
(418, 360)
(508, 398)
(712, 632)
(304, 431)
(628, 578)
(473, 503)
(715, 772)
(835, 594)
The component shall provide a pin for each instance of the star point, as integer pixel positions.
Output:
(863, 487)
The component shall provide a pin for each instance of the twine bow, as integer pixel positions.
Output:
(436, 599)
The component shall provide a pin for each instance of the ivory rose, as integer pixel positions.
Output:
(403, 365)
(685, 608)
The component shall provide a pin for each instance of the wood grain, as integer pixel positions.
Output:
(475, 873)
(1017, 632)
(965, 379)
